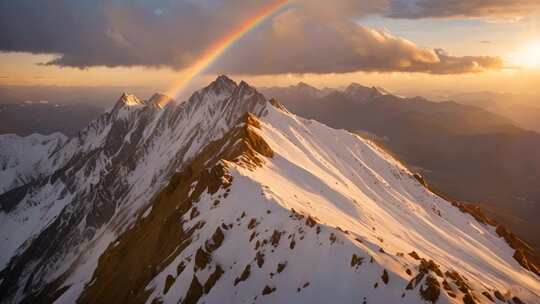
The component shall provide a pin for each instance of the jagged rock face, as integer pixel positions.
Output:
(106, 174)
(227, 198)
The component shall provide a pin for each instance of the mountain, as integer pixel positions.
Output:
(27, 118)
(20, 157)
(228, 198)
(471, 154)
(360, 93)
(524, 110)
(296, 95)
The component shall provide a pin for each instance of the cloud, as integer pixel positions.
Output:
(297, 43)
(486, 9)
(307, 38)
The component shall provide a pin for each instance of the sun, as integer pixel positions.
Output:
(528, 56)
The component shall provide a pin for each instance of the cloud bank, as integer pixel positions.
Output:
(487, 9)
(309, 37)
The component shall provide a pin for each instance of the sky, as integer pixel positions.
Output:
(410, 46)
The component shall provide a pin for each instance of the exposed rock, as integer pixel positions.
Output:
(180, 268)
(214, 277)
(414, 255)
(268, 290)
(415, 281)
(259, 257)
(281, 267)
(431, 289)
(216, 241)
(487, 295)
(332, 238)
(468, 299)
(420, 179)
(446, 286)
(194, 293)
(310, 221)
(202, 258)
(384, 277)
(499, 296)
(278, 105)
(458, 281)
(426, 266)
(356, 260)
(244, 276)
(275, 238)
(252, 223)
(169, 281)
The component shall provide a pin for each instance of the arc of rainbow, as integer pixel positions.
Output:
(219, 47)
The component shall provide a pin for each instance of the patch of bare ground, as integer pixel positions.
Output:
(244, 276)
(356, 261)
(268, 290)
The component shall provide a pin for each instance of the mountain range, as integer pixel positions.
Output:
(42, 117)
(523, 110)
(229, 197)
(468, 153)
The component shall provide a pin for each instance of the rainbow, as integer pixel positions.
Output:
(219, 47)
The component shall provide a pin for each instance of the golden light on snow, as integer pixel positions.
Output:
(528, 56)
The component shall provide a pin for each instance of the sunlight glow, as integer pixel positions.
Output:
(528, 56)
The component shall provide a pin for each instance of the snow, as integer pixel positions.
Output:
(28, 220)
(347, 182)
(360, 186)
(336, 177)
(19, 157)
(171, 136)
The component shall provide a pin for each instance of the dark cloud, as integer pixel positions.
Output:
(488, 9)
(306, 38)
(118, 33)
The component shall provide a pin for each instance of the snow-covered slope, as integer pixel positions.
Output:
(106, 174)
(19, 157)
(228, 198)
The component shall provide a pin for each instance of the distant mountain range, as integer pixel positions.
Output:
(45, 118)
(230, 198)
(466, 152)
(524, 110)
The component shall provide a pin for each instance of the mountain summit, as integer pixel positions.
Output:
(226, 198)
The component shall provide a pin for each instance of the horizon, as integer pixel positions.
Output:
(437, 94)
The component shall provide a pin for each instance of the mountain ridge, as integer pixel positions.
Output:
(466, 152)
(241, 191)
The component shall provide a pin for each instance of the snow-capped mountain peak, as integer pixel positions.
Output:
(360, 93)
(230, 198)
(159, 100)
(130, 100)
(222, 85)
